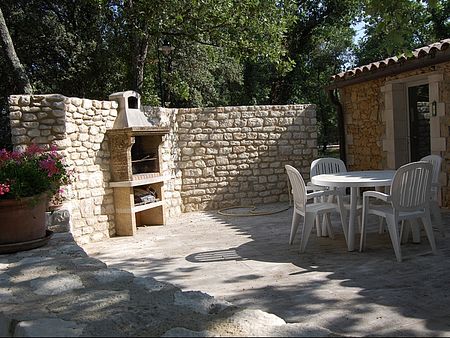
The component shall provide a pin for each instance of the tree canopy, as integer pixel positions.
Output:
(224, 52)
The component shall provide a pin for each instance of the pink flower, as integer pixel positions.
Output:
(4, 155)
(34, 149)
(49, 164)
(53, 150)
(4, 188)
(16, 155)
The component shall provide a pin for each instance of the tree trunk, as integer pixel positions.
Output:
(23, 84)
(138, 63)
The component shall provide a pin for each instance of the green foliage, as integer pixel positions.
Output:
(319, 42)
(396, 27)
(32, 172)
(61, 45)
(227, 52)
(200, 75)
(212, 38)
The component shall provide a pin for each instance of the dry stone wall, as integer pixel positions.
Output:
(215, 157)
(445, 132)
(364, 128)
(229, 156)
(77, 127)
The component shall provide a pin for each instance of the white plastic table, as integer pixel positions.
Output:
(354, 180)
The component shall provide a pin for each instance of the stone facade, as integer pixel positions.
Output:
(226, 156)
(77, 127)
(215, 157)
(364, 127)
(370, 134)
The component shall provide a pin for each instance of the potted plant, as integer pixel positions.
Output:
(28, 180)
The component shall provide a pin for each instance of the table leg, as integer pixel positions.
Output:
(351, 221)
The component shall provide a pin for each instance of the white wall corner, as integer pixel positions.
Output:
(435, 126)
(388, 145)
(389, 131)
(349, 139)
(440, 109)
(438, 144)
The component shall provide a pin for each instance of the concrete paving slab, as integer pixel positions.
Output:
(247, 261)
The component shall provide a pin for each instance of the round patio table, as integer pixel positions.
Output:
(354, 180)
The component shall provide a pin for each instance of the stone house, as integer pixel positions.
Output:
(396, 110)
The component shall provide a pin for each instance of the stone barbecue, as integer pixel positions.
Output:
(135, 165)
(137, 179)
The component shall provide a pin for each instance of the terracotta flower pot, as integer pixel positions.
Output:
(21, 221)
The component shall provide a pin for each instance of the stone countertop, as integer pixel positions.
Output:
(58, 290)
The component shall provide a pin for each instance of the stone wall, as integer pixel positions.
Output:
(77, 127)
(216, 157)
(365, 123)
(364, 128)
(444, 125)
(226, 156)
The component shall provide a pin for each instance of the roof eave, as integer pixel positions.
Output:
(429, 60)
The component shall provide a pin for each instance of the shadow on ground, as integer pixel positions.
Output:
(248, 262)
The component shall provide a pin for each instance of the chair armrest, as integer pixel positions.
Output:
(313, 187)
(321, 193)
(377, 194)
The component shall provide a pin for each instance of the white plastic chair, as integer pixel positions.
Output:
(409, 199)
(436, 161)
(327, 165)
(308, 211)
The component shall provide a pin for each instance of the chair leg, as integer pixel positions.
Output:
(415, 229)
(404, 232)
(392, 225)
(326, 220)
(359, 218)
(429, 231)
(437, 217)
(294, 226)
(307, 227)
(318, 227)
(328, 228)
(362, 240)
(343, 214)
(381, 220)
(381, 226)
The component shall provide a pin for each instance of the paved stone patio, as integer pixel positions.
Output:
(247, 261)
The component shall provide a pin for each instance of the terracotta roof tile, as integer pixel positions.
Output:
(374, 66)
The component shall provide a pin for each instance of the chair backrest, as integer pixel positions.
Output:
(436, 161)
(327, 165)
(298, 187)
(411, 186)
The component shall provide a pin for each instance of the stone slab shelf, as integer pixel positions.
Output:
(147, 206)
(139, 181)
(128, 216)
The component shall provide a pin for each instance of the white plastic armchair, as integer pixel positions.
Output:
(309, 211)
(326, 165)
(409, 199)
(436, 161)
